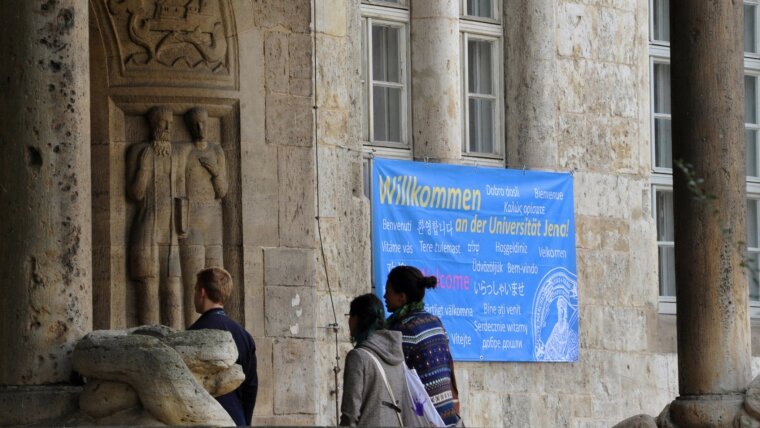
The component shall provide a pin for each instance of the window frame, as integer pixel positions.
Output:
(395, 16)
(653, 116)
(493, 34)
(495, 10)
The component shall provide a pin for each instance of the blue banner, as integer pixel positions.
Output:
(501, 243)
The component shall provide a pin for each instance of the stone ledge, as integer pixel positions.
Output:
(24, 405)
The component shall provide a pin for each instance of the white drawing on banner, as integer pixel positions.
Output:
(557, 290)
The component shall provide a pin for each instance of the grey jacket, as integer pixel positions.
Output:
(364, 389)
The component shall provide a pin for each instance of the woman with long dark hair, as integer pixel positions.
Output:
(372, 368)
(425, 342)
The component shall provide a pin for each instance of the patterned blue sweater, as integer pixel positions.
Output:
(426, 349)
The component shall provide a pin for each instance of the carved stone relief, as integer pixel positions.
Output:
(177, 189)
(191, 39)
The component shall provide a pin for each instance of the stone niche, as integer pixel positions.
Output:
(177, 55)
(115, 211)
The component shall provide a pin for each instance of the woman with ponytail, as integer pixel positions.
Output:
(374, 385)
(424, 340)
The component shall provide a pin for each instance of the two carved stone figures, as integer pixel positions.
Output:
(177, 227)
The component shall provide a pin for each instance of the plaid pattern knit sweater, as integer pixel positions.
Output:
(426, 349)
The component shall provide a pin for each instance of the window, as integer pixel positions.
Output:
(665, 245)
(661, 115)
(662, 180)
(486, 9)
(384, 75)
(482, 79)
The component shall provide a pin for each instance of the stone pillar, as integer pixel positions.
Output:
(436, 86)
(530, 66)
(45, 219)
(709, 192)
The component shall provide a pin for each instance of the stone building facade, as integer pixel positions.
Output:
(294, 103)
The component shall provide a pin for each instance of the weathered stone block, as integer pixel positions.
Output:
(300, 64)
(331, 17)
(332, 71)
(520, 378)
(333, 127)
(576, 26)
(290, 311)
(297, 223)
(265, 370)
(606, 269)
(490, 411)
(617, 91)
(606, 195)
(603, 144)
(25, 405)
(289, 120)
(260, 195)
(572, 77)
(289, 267)
(252, 89)
(253, 295)
(616, 36)
(606, 234)
(525, 410)
(276, 60)
(293, 15)
(294, 363)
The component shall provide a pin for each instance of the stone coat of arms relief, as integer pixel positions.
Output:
(190, 38)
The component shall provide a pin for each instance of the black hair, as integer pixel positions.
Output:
(410, 281)
(368, 310)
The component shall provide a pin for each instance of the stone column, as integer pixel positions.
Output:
(45, 219)
(709, 192)
(436, 86)
(530, 67)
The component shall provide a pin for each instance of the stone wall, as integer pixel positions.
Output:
(577, 99)
(287, 110)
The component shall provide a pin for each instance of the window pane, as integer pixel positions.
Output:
(385, 54)
(365, 84)
(661, 20)
(481, 8)
(386, 109)
(752, 223)
(753, 263)
(750, 141)
(662, 88)
(750, 99)
(480, 67)
(481, 125)
(667, 267)
(665, 215)
(663, 143)
(750, 36)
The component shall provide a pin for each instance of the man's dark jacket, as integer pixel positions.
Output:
(240, 402)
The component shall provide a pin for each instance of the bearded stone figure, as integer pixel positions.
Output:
(156, 183)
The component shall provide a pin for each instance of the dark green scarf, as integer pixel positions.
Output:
(401, 312)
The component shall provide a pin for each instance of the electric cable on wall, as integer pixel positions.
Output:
(334, 326)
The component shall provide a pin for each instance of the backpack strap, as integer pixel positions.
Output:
(387, 386)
